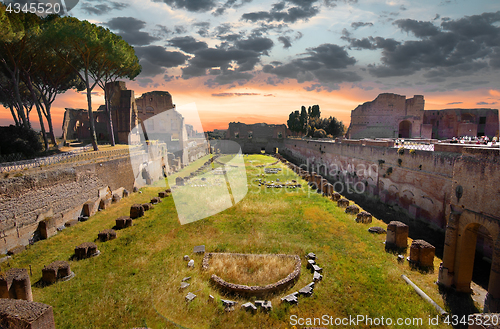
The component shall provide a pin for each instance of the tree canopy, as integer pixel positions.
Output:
(311, 124)
(42, 57)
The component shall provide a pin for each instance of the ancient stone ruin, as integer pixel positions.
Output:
(364, 217)
(397, 235)
(352, 209)
(136, 211)
(15, 283)
(56, 271)
(343, 203)
(15, 313)
(244, 290)
(123, 222)
(422, 254)
(106, 235)
(86, 250)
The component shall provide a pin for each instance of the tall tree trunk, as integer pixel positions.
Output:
(48, 116)
(39, 111)
(91, 115)
(14, 115)
(15, 81)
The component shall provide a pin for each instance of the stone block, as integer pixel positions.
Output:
(191, 263)
(179, 181)
(125, 193)
(311, 256)
(116, 198)
(106, 235)
(249, 307)
(25, 314)
(343, 203)
(70, 223)
(376, 229)
(328, 189)
(199, 249)
(186, 258)
(15, 283)
(190, 297)
(104, 203)
(85, 250)
(397, 235)
(163, 194)
(364, 217)
(336, 196)
(147, 206)
(56, 270)
(422, 254)
(155, 200)
(310, 263)
(184, 285)
(136, 211)
(306, 291)
(352, 209)
(317, 276)
(316, 268)
(123, 222)
(291, 299)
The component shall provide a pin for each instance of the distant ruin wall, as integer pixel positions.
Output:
(58, 194)
(418, 183)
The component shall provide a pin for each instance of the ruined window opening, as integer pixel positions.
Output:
(482, 120)
(280, 135)
(236, 135)
(250, 134)
(139, 109)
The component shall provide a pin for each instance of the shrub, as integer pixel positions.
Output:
(319, 133)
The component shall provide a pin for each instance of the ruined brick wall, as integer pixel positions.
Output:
(56, 193)
(256, 137)
(381, 118)
(419, 183)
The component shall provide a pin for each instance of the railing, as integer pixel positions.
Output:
(72, 156)
(415, 146)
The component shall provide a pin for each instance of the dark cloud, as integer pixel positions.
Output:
(157, 55)
(325, 63)
(418, 28)
(285, 41)
(486, 103)
(458, 47)
(228, 63)
(149, 69)
(191, 5)
(229, 77)
(288, 11)
(102, 8)
(202, 28)
(454, 103)
(129, 29)
(187, 44)
(261, 45)
(229, 4)
(179, 29)
(356, 25)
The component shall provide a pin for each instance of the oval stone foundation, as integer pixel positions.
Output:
(245, 290)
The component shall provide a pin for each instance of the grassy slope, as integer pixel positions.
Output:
(135, 280)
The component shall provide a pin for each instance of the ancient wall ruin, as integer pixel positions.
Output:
(257, 137)
(57, 196)
(387, 116)
(394, 116)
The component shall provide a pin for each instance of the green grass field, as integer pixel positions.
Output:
(135, 280)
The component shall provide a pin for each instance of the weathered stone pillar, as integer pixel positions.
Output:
(447, 267)
(422, 254)
(397, 235)
(492, 300)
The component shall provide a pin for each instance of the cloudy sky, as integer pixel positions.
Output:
(256, 61)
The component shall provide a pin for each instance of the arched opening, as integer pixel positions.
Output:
(473, 264)
(405, 129)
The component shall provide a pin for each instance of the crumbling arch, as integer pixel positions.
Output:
(405, 129)
(459, 249)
